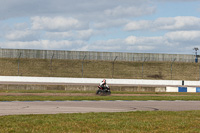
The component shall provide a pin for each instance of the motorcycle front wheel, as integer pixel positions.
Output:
(99, 92)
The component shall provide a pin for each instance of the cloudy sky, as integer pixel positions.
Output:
(136, 26)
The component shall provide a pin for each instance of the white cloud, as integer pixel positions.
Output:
(138, 25)
(183, 36)
(58, 35)
(106, 45)
(168, 38)
(79, 8)
(171, 42)
(56, 24)
(84, 34)
(110, 23)
(170, 23)
(25, 35)
(131, 40)
(130, 11)
(97, 25)
(20, 26)
(70, 35)
(43, 44)
(174, 0)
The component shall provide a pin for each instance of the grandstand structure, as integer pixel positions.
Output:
(91, 55)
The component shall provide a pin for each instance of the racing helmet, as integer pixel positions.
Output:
(104, 81)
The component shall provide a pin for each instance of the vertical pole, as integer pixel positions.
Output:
(51, 62)
(82, 65)
(196, 56)
(19, 61)
(143, 65)
(113, 66)
(199, 71)
(171, 67)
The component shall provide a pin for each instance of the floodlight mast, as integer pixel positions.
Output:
(196, 56)
(196, 49)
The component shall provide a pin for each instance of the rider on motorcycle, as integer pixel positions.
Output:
(103, 84)
(104, 89)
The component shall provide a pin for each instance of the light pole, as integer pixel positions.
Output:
(196, 57)
(199, 71)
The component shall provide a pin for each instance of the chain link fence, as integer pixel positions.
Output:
(89, 55)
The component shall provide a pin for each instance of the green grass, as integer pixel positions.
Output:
(99, 69)
(63, 98)
(43, 91)
(144, 96)
(113, 92)
(158, 121)
(137, 122)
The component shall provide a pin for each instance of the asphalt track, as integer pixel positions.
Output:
(55, 107)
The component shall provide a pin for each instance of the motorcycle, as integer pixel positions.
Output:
(103, 91)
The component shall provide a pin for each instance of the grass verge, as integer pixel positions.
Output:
(139, 121)
(44, 91)
(152, 96)
(63, 98)
(113, 92)
(122, 69)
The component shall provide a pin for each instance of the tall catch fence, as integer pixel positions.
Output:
(98, 65)
(90, 55)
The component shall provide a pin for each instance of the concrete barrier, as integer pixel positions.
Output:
(171, 89)
(191, 89)
(57, 80)
(79, 87)
(192, 83)
(182, 89)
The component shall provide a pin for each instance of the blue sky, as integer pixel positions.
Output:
(136, 26)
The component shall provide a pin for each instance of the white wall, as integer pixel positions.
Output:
(21, 79)
(192, 83)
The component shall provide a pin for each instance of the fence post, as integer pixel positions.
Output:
(51, 62)
(82, 65)
(113, 66)
(143, 65)
(19, 61)
(171, 66)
